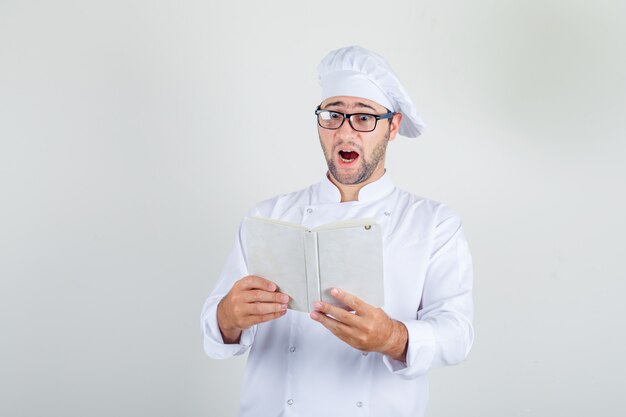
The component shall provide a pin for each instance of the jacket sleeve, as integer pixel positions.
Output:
(443, 333)
(234, 269)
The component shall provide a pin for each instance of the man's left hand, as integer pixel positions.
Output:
(369, 328)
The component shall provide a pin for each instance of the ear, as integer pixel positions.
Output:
(394, 126)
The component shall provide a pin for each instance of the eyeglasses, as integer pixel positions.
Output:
(361, 122)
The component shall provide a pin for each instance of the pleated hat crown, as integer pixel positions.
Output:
(356, 72)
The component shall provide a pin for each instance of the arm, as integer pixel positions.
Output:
(214, 343)
(235, 306)
(441, 335)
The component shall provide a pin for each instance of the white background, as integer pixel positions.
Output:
(134, 135)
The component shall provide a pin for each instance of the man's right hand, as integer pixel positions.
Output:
(251, 300)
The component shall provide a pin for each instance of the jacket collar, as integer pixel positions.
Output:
(328, 192)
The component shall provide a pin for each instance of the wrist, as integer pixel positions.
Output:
(398, 341)
(230, 334)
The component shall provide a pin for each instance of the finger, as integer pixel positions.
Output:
(338, 328)
(263, 296)
(259, 309)
(252, 320)
(252, 282)
(338, 313)
(351, 300)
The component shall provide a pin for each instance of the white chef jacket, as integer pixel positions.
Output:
(296, 367)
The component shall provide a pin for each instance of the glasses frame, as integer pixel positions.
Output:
(348, 116)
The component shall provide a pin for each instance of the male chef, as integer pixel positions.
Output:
(364, 360)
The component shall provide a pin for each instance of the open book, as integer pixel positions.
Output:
(307, 263)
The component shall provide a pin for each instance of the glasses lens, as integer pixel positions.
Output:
(329, 119)
(363, 122)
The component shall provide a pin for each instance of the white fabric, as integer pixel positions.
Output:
(356, 72)
(298, 368)
(354, 84)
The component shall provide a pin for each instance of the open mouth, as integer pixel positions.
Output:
(348, 156)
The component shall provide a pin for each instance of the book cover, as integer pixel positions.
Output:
(307, 263)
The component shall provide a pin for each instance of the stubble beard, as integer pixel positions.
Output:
(367, 166)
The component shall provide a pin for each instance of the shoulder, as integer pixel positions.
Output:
(413, 205)
(276, 206)
(428, 220)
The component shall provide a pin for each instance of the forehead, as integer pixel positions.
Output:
(352, 103)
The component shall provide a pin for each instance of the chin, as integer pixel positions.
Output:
(348, 179)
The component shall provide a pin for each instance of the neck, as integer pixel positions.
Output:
(350, 192)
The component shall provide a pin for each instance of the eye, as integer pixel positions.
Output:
(365, 117)
(334, 115)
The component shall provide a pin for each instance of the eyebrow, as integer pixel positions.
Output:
(358, 104)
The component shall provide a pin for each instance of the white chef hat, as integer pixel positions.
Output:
(356, 72)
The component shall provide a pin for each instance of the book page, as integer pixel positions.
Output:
(275, 251)
(351, 258)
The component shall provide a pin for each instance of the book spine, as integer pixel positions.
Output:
(311, 257)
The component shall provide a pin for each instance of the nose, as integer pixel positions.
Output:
(345, 130)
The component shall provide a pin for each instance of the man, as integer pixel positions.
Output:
(372, 361)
